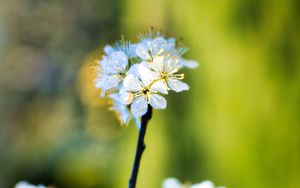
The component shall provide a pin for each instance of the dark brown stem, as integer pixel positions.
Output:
(140, 147)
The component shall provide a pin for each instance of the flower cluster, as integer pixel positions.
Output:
(136, 75)
(174, 183)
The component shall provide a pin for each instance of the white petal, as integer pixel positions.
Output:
(106, 67)
(134, 70)
(99, 82)
(158, 64)
(188, 63)
(142, 71)
(131, 52)
(146, 64)
(132, 83)
(108, 49)
(119, 61)
(142, 52)
(111, 82)
(158, 102)
(160, 86)
(107, 82)
(126, 97)
(102, 94)
(115, 97)
(171, 183)
(125, 115)
(138, 122)
(205, 184)
(122, 111)
(146, 75)
(172, 64)
(139, 106)
(177, 85)
(158, 46)
(172, 42)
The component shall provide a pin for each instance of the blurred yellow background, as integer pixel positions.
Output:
(238, 125)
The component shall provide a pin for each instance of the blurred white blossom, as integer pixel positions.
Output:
(24, 184)
(174, 183)
(135, 76)
(171, 183)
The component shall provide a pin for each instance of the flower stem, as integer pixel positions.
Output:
(140, 147)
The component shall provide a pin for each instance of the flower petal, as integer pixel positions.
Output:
(177, 85)
(111, 82)
(139, 106)
(172, 42)
(100, 81)
(125, 115)
(158, 64)
(108, 49)
(138, 122)
(134, 70)
(107, 82)
(158, 46)
(160, 86)
(119, 61)
(132, 83)
(126, 97)
(131, 51)
(121, 110)
(142, 52)
(158, 102)
(146, 75)
(115, 97)
(143, 72)
(106, 66)
(188, 63)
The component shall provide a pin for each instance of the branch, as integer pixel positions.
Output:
(140, 147)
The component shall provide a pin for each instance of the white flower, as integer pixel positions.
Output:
(166, 68)
(140, 89)
(162, 57)
(149, 49)
(112, 70)
(23, 184)
(174, 183)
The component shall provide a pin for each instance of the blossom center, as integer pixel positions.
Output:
(145, 91)
(164, 75)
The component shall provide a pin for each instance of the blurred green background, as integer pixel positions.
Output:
(237, 126)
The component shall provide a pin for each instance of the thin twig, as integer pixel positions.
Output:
(140, 147)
